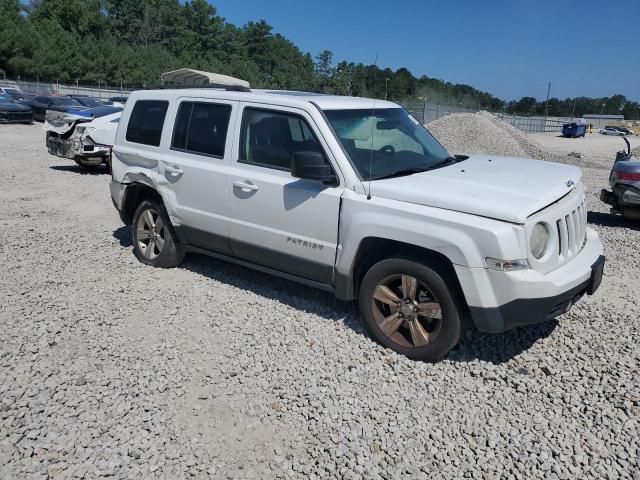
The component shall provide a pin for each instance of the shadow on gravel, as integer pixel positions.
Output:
(611, 220)
(473, 346)
(500, 348)
(101, 170)
(123, 235)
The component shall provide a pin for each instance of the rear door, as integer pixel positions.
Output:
(200, 156)
(278, 221)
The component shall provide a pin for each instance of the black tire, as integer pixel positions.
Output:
(447, 330)
(172, 252)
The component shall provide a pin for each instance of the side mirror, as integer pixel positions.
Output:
(312, 166)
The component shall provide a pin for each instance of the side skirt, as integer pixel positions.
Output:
(287, 276)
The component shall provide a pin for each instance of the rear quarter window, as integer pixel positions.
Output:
(146, 122)
(201, 128)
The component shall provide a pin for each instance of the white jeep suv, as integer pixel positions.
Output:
(354, 196)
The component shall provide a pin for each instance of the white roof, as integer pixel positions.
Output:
(189, 76)
(330, 102)
(275, 97)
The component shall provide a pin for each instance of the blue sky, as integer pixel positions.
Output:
(508, 48)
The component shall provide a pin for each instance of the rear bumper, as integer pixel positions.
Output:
(499, 301)
(118, 191)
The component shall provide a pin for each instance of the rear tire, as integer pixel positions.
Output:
(154, 240)
(407, 306)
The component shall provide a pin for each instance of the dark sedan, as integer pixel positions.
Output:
(12, 112)
(42, 103)
(87, 101)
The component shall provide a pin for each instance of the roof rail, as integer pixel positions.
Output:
(230, 88)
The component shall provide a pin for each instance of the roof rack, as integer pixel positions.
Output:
(230, 88)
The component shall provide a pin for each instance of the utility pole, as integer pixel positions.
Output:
(386, 87)
(546, 103)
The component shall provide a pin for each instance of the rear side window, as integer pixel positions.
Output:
(146, 121)
(201, 128)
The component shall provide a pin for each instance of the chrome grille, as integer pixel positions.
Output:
(572, 229)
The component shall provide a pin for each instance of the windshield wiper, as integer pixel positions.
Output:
(402, 172)
(410, 171)
(443, 162)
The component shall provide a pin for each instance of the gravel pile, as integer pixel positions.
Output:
(482, 133)
(110, 368)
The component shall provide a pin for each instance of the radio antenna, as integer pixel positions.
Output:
(373, 124)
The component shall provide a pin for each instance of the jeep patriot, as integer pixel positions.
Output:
(356, 197)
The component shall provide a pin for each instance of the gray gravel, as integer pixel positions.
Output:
(110, 368)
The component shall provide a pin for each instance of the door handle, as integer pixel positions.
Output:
(245, 186)
(173, 171)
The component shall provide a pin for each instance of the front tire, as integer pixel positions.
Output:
(407, 306)
(154, 240)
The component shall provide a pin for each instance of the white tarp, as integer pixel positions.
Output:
(188, 76)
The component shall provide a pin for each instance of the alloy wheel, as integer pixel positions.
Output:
(406, 311)
(150, 234)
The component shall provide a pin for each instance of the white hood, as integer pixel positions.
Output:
(504, 188)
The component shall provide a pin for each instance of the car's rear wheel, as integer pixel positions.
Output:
(154, 240)
(408, 307)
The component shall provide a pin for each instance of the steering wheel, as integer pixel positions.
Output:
(388, 149)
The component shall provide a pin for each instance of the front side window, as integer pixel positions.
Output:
(201, 128)
(146, 122)
(386, 142)
(269, 138)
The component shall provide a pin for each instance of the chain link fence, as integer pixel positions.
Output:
(426, 112)
(99, 90)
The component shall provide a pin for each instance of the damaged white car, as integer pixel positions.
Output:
(83, 136)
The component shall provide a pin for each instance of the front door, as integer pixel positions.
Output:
(278, 221)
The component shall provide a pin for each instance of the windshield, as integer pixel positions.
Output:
(89, 102)
(13, 93)
(386, 142)
(65, 101)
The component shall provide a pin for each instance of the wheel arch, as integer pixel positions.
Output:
(134, 194)
(371, 250)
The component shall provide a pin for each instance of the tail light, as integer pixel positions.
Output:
(628, 176)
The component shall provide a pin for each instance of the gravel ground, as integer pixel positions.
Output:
(110, 368)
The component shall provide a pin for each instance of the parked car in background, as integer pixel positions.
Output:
(13, 93)
(611, 131)
(624, 130)
(14, 112)
(356, 197)
(87, 101)
(117, 101)
(85, 137)
(42, 103)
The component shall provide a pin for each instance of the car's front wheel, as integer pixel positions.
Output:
(154, 240)
(408, 307)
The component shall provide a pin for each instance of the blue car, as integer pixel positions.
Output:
(13, 112)
(42, 103)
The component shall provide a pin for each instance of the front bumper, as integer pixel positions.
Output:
(16, 117)
(499, 301)
(75, 147)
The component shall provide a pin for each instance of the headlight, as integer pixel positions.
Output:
(502, 265)
(539, 240)
(85, 130)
